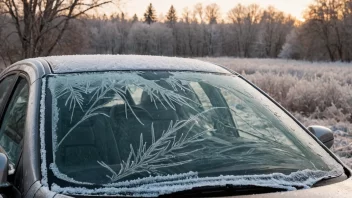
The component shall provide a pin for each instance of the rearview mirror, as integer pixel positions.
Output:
(324, 134)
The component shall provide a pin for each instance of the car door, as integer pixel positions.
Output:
(13, 105)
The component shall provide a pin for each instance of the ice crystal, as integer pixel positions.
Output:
(62, 176)
(163, 185)
(42, 134)
(160, 151)
(75, 86)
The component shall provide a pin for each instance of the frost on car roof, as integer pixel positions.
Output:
(81, 63)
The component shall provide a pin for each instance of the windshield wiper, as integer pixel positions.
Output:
(227, 190)
(329, 181)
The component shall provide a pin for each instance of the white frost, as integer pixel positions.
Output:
(62, 176)
(42, 135)
(154, 179)
(67, 64)
(162, 185)
(55, 117)
(78, 84)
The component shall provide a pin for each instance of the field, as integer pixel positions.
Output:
(316, 93)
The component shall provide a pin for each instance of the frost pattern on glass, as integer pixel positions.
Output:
(233, 130)
(156, 156)
(76, 87)
(143, 159)
(163, 185)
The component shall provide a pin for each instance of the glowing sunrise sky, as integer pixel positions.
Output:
(293, 7)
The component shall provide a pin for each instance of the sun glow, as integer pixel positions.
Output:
(131, 7)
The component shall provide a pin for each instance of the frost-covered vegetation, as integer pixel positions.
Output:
(316, 93)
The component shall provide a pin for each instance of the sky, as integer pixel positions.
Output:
(293, 7)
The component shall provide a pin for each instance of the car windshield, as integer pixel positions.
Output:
(106, 132)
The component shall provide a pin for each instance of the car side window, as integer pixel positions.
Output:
(13, 123)
(5, 88)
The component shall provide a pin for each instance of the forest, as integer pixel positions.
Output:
(57, 27)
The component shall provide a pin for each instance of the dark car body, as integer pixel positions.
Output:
(26, 179)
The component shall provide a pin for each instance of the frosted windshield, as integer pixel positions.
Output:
(125, 128)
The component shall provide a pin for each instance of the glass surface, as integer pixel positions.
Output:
(5, 86)
(12, 128)
(119, 126)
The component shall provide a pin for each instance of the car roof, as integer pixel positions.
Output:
(94, 63)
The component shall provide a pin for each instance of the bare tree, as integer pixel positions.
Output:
(198, 12)
(153, 39)
(41, 24)
(212, 13)
(245, 24)
(249, 32)
(9, 43)
(274, 27)
(326, 32)
(186, 15)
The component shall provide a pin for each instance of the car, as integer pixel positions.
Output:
(129, 125)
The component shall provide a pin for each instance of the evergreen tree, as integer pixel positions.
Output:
(149, 15)
(135, 18)
(171, 17)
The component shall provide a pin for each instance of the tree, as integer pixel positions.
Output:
(171, 17)
(274, 27)
(186, 15)
(198, 12)
(325, 19)
(8, 42)
(212, 13)
(326, 33)
(249, 32)
(153, 39)
(135, 18)
(41, 24)
(123, 18)
(292, 49)
(150, 15)
(245, 21)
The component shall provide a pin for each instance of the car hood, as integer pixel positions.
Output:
(339, 190)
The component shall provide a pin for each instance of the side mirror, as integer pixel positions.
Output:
(4, 168)
(4, 171)
(324, 134)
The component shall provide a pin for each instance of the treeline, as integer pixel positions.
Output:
(325, 35)
(245, 31)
